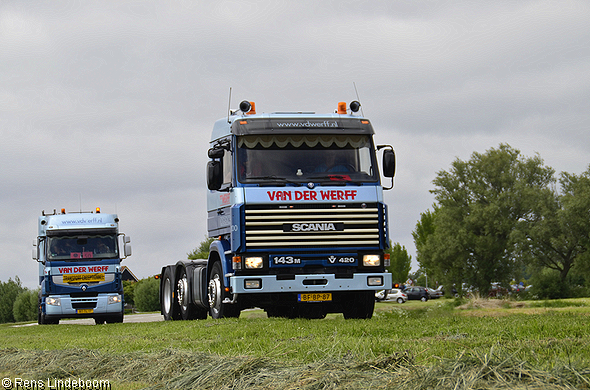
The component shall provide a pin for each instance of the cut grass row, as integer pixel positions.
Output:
(401, 345)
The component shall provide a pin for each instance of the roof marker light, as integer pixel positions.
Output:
(98, 210)
(63, 211)
(342, 108)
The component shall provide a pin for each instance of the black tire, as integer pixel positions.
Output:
(41, 319)
(115, 319)
(361, 307)
(170, 308)
(188, 310)
(215, 288)
(424, 299)
(400, 300)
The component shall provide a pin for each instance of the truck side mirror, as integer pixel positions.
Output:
(127, 249)
(214, 175)
(35, 251)
(388, 163)
(216, 153)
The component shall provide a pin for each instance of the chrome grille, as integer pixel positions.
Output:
(300, 227)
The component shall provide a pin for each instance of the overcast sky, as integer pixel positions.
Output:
(111, 103)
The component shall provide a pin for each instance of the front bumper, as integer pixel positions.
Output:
(83, 307)
(309, 283)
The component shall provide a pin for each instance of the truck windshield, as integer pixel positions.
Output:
(91, 247)
(301, 158)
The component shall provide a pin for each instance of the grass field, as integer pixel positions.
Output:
(434, 345)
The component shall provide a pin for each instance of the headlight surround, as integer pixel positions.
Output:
(254, 262)
(51, 301)
(371, 260)
(114, 299)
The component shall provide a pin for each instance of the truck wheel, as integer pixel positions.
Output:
(117, 318)
(217, 308)
(170, 307)
(361, 307)
(188, 310)
(41, 320)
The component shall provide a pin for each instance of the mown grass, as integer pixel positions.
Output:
(433, 345)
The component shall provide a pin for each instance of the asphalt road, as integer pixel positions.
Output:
(128, 319)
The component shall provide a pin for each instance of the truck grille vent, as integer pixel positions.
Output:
(302, 226)
(83, 303)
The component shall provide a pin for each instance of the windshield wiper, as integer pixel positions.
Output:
(274, 178)
(335, 178)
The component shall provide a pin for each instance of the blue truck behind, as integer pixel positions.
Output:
(79, 257)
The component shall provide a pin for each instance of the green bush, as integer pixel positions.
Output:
(548, 285)
(147, 295)
(25, 305)
(129, 291)
(9, 291)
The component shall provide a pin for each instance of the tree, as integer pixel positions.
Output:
(9, 291)
(129, 291)
(202, 251)
(423, 231)
(147, 295)
(400, 262)
(557, 234)
(480, 203)
(25, 305)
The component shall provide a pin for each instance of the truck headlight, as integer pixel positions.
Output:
(371, 260)
(375, 281)
(53, 301)
(114, 299)
(253, 262)
(252, 284)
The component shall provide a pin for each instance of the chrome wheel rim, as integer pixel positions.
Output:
(167, 296)
(214, 292)
(182, 288)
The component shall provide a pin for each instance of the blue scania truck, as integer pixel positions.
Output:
(79, 257)
(295, 207)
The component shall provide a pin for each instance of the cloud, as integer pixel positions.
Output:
(111, 104)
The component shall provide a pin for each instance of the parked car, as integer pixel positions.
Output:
(417, 293)
(381, 295)
(436, 293)
(398, 295)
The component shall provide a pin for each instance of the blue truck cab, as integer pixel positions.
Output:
(79, 257)
(295, 204)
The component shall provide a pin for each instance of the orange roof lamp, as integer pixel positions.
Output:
(354, 107)
(248, 108)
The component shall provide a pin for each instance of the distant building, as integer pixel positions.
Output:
(126, 274)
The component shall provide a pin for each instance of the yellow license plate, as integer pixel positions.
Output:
(83, 278)
(85, 311)
(315, 297)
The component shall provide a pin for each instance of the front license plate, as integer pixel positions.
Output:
(85, 311)
(315, 297)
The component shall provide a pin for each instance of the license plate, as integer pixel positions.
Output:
(85, 311)
(82, 278)
(315, 297)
